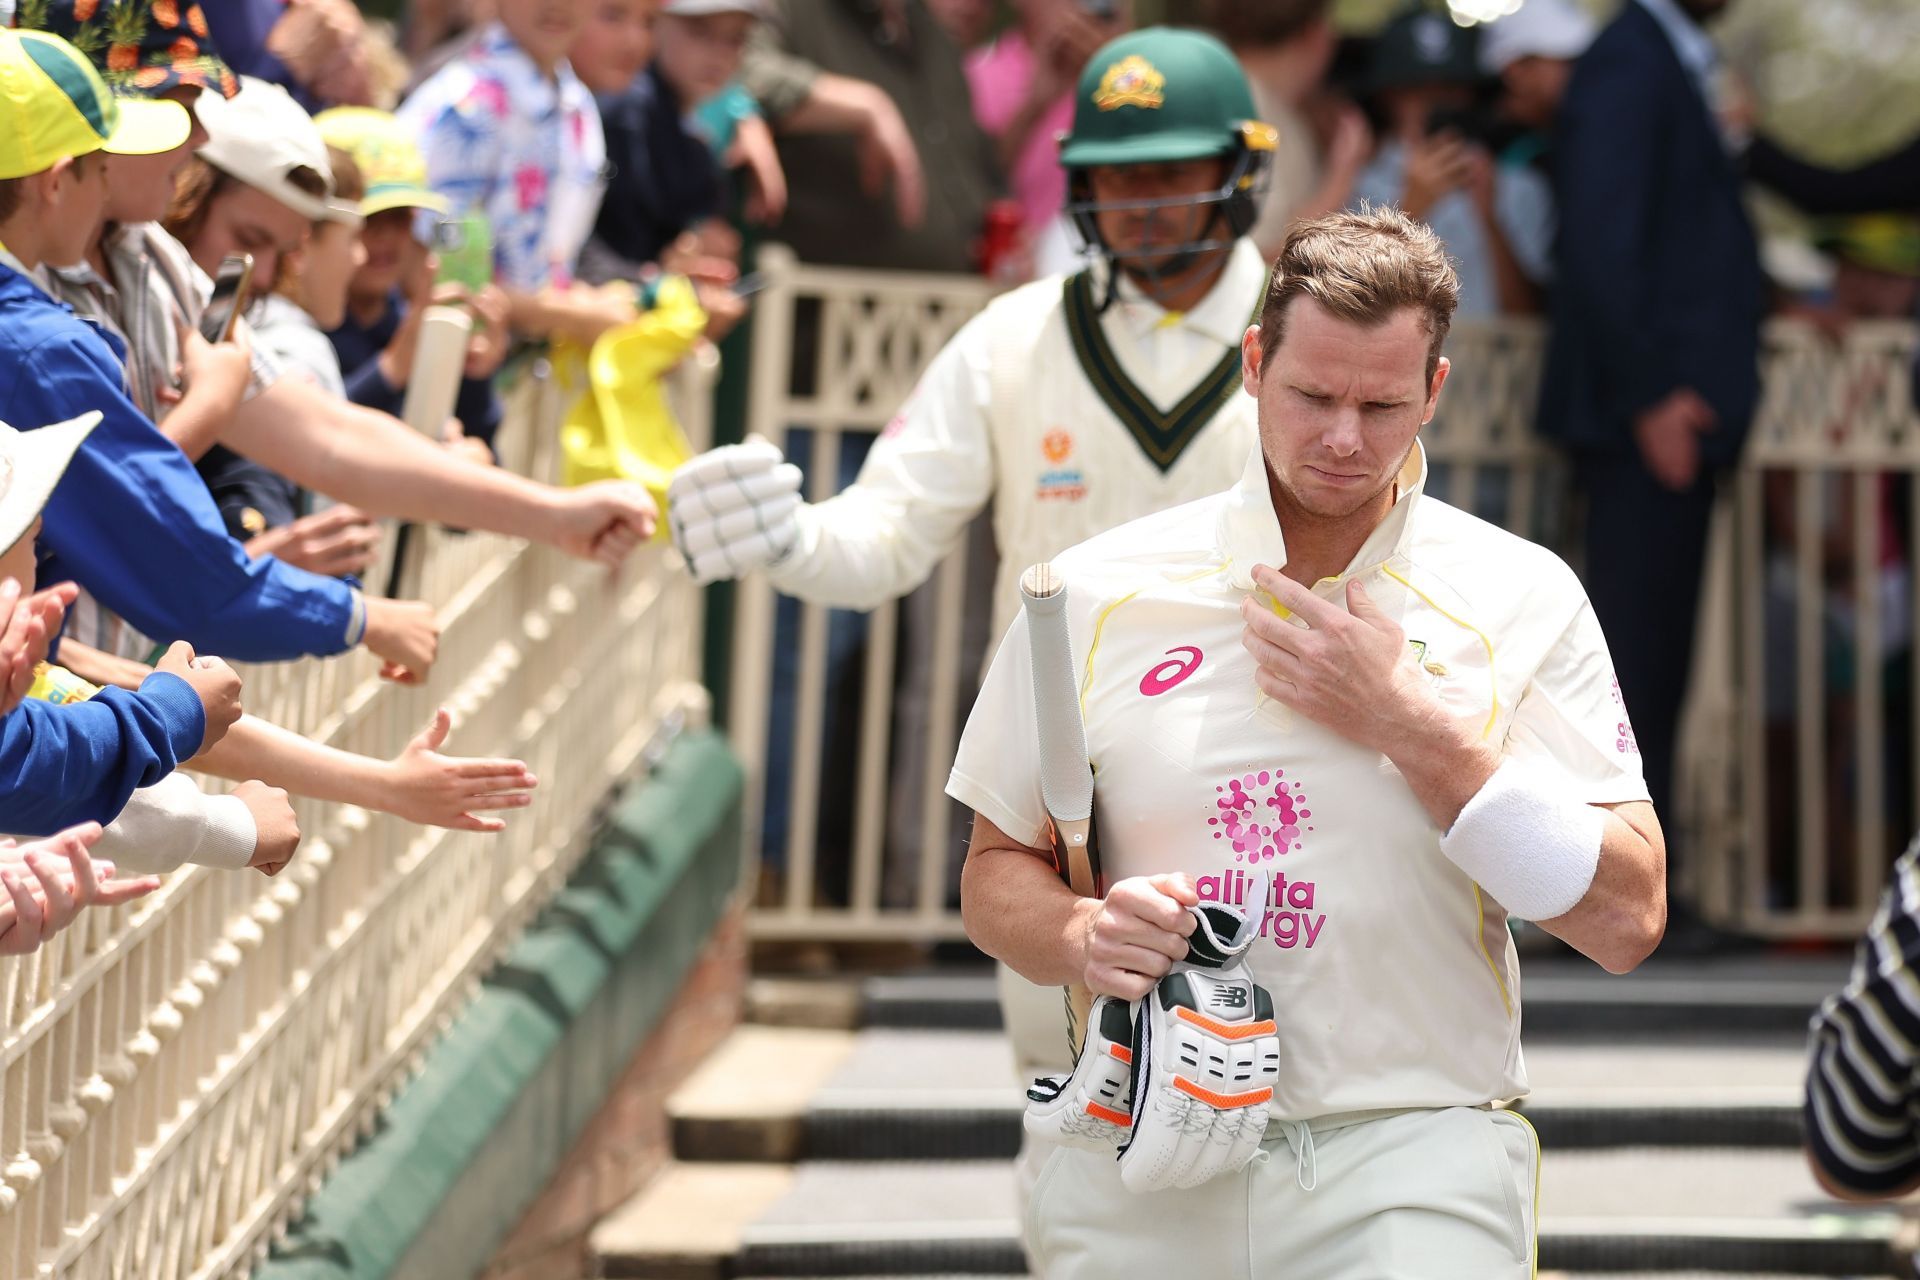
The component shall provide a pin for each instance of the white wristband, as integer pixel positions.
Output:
(1525, 843)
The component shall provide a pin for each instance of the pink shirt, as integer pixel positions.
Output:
(999, 74)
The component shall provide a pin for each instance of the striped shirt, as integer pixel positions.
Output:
(1862, 1104)
(155, 288)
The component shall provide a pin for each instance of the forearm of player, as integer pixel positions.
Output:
(1624, 913)
(1620, 917)
(377, 463)
(1017, 909)
(859, 550)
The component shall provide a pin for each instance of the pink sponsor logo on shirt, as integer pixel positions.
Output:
(1171, 672)
(1263, 815)
(1288, 919)
(1624, 742)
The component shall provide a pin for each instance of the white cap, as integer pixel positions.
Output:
(701, 8)
(31, 464)
(1537, 29)
(260, 135)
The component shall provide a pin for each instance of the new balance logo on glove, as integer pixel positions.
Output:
(1181, 1094)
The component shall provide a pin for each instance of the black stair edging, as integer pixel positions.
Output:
(927, 1134)
(1577, 1127)
(1548, 1015)
(880, 1133)
(968, 1257)
(940, 1013)
(1809, 1256)
(1693, 1018)
(1805, 1256)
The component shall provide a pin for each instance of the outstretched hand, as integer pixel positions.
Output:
(30, 625)
(48, 882)
(446, 791)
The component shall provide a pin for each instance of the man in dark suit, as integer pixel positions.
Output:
(1652, 376)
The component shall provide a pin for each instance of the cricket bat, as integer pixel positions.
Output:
(440, 356)
(433, 388)
(1066, 775)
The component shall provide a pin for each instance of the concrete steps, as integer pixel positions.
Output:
(1601, 1212)
(877, 1140)
(951, 1095)
(1741, 995)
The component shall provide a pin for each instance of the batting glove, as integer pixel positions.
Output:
(1206, 1059)
(734, 510)
(1093, 1106)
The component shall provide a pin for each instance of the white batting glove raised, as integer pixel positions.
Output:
(1092, 1107)
(734, 509)
(1206, 1059)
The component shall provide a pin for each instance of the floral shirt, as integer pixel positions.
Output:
(502, 139)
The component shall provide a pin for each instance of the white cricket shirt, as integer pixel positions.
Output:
(1393, 975)
(1068, 423)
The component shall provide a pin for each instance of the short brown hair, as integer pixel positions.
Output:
(1262, 24)
(1364, 267)
(347, 182)
(200, 184)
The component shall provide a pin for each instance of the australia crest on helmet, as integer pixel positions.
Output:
(1131, 82)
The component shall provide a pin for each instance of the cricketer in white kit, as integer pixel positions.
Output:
(1071, 404)
(1401, 718)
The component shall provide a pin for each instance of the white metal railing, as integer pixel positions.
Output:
(1830, 412)
(871, 335)
(1815, 610)
(175, 1075)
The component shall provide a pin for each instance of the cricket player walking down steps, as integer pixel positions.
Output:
(1339, 731)
(1072, 404)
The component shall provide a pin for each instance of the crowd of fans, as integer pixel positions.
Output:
(592, 152)
(174, 485)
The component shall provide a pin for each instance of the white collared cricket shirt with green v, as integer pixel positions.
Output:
(1068, 415)
(1393, 975)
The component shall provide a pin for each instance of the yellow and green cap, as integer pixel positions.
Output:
(54, 106)
(387, 156)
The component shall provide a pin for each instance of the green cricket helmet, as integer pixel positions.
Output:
(1160, 96)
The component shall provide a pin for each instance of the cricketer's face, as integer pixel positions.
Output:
(1136, 234)
(1340, 405)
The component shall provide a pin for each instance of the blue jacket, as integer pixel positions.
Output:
(132, 522)
(663, 180)
(359, 348)
(1657, 281)
(79, 761)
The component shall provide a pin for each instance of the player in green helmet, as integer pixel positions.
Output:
(1166, 163)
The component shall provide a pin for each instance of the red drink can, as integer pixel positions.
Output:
(999, 236)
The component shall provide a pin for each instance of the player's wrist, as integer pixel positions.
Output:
(1417, 726)
(1076, 950)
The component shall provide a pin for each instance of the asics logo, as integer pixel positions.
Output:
(1171, 672)
(1230, 997)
